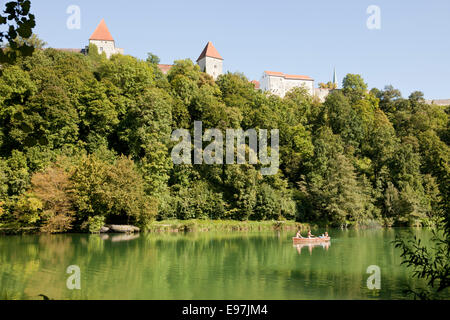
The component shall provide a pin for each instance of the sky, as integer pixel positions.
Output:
(410, 50)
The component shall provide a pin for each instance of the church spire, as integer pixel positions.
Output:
(335, 81)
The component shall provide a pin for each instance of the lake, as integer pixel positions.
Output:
(232, 265)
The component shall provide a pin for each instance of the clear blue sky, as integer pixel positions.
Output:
(411, 51)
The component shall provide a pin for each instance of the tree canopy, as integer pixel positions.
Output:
(101, 130)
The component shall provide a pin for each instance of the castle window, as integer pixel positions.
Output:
(101, 49)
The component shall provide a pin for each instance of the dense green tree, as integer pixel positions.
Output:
(273, 204)
(198, 201)
(131, 75)
(331, 186)
(343, 119)
(3, 180)
(360, 158)
(115, 191)
(354, 87)
(387, 98)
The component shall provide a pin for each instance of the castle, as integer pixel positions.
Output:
(211, 62)
(104, 41)
(279, 83)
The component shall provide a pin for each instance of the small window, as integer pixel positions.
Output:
(101, 49)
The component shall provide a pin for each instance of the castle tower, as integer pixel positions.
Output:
(210, 61)
(104, 41)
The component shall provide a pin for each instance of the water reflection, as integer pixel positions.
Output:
(240, 265)
(119, 237)
(325, 245)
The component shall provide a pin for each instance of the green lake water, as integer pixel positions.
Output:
(253, 266)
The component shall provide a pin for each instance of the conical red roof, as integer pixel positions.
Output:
(102, 32)
(210, 51)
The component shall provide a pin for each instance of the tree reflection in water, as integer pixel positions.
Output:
(210, 265)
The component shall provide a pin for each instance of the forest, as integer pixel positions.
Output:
(86, 141)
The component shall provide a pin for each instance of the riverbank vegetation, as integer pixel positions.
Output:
(86, 141)
(226, 225)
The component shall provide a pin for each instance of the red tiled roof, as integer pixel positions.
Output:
(210, 51)
(165, 67)
(288, 76)
(273, 73)
(299, 77)
(256, 83)
(102, 33)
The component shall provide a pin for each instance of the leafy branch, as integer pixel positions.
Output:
(431, 264)
(20, 23)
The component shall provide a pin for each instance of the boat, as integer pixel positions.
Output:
(310, 240)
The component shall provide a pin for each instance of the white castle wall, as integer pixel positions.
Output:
(212, 66)
(322, 94)
(297, 83)
(273, 84)
(279, 85)
(108, 47)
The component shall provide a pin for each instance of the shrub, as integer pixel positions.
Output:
(94, 224)
(198, 202)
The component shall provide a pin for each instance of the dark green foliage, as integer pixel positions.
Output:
(198, 201)
(114, 191)
(361, 158)
(331, 185)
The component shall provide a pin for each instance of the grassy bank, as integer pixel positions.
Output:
(199, 225)
(223, 225)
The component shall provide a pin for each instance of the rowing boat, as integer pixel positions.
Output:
(309, 240)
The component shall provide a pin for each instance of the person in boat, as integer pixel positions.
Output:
(324, 236)
(299, 235)
(310, 235)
